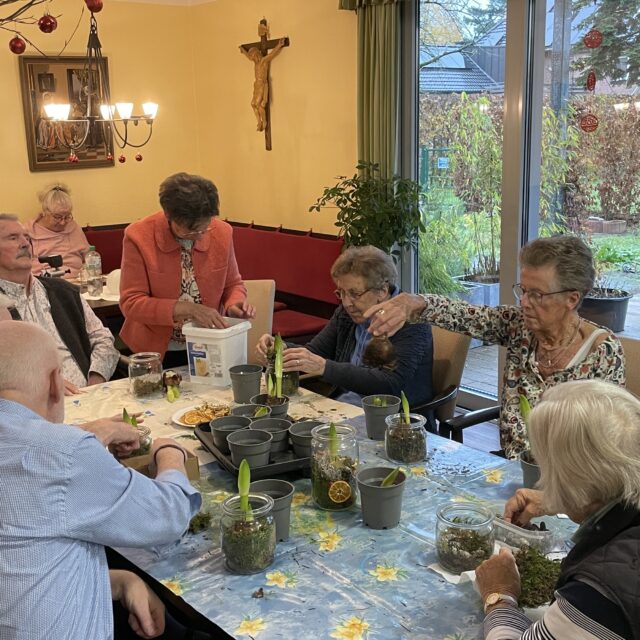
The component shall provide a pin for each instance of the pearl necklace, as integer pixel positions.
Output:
(552, 362)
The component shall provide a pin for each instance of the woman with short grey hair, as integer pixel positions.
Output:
(364, 276)
(546, 339)
(585, 435)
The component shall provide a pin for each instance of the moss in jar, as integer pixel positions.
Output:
(538, 577)
(463, 549)
(404, 444)
(144, 448)
(333, 481)
(249, 545)
(200, 522)
(146, 385)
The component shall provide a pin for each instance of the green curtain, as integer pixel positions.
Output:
(378, 81)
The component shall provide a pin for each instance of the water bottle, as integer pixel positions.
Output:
(93, 264)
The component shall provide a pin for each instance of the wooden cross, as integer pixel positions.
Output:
(261, 54)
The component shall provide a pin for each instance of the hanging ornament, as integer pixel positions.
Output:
(589, 123)
(109, 156)
(73, 158)
(17, 45)
(593, 39)
(139, 157)
(591, 80)
(47, 23)
(95, 6)
(122, 159)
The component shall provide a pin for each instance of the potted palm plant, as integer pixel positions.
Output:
(381, 211)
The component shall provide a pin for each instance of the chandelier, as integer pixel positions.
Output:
(115, 119)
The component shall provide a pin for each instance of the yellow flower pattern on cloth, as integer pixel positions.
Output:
(329, 540)
(419, 471)
(220, 496)
(281, 579)
(299, 498)
(249, 627)
(386, 573)
(352, 629)
(493, 475)
(174, 585)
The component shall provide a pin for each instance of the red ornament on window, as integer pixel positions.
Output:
(589, 123)
(593, 39)
(591, 80)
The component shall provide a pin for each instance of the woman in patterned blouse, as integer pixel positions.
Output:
(547, 341)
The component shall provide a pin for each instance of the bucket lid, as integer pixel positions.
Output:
(236, 326)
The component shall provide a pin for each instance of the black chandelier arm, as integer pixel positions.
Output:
(73, 146)
(123, 140)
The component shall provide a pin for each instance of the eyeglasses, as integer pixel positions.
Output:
(341, 294)
(62, 217)
(184, 235)
(535, 297)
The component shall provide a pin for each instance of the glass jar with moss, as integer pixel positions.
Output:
(248, 534)
(334, 460)
(464, 536)
(145, 373)
(405, 439)
(144, 435)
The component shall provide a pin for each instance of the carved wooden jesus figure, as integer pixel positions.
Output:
(261, 54)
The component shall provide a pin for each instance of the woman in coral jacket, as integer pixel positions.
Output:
(178, 265)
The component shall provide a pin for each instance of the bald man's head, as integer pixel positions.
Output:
(30, 369)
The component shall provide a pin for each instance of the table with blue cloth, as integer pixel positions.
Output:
(333, 578)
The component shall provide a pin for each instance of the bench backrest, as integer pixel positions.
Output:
(108, 243)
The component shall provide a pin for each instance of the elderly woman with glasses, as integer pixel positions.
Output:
(586, 437)
(54, 232)
(178, 265)
(364, 276)
(547, 341)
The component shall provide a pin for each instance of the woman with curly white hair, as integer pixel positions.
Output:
(585, 436)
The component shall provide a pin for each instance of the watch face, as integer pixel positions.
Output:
(492, 598)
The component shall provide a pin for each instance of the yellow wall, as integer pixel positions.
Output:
(187, 60)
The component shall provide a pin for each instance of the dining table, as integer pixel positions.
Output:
(333, 577)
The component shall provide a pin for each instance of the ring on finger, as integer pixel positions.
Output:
(380, 312)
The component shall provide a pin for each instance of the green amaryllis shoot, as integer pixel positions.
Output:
(244, 482)
(278, 346)
(261, 412)
(270, 385)
(129, 419)
(405, 408)
(333, 440)
(391, 478)
(379, 401)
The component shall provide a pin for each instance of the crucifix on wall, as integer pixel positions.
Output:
(261, 54)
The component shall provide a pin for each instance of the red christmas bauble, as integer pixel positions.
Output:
(17, 45)
(73, 158)
(593, 39)
(589, 123)
(109, 157)
(95, 6)
(139, 157)
(591, 80)
(47, 23)
(122, 159)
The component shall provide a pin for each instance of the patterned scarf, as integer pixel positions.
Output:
(188, 286)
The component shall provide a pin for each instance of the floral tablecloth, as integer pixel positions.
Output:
(333, 578)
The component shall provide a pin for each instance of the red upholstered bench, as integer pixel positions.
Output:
(300, 263)
(108, 243)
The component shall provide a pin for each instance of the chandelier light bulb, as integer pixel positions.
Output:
(107, 110)
(125, 109)
(57, 111)
(150, 109)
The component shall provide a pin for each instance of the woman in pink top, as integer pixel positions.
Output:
(179, 265)
(55, 232)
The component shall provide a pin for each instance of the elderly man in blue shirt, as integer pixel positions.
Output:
(64, 497)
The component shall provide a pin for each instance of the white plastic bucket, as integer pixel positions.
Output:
(211, 352)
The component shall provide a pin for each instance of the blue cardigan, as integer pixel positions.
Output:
(413, 345)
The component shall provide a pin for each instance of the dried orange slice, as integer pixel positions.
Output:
(193, 417)
(339, 491)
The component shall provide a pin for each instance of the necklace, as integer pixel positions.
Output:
(551, 362)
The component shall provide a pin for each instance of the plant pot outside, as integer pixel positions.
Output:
(245, 381)
(610, 312)
(300, 433)
(222, 427)
(530, 471)
(375, 415)
(381, 506)
(282, 493)
(251, 445)
(249, 410)
(405, 443)
(279, 406)
(278, 428)
(248, 543)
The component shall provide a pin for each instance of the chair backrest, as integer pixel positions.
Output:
(632, 358)
(261, 294)
(449, 355)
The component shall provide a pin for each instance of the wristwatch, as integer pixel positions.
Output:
(494, 598)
